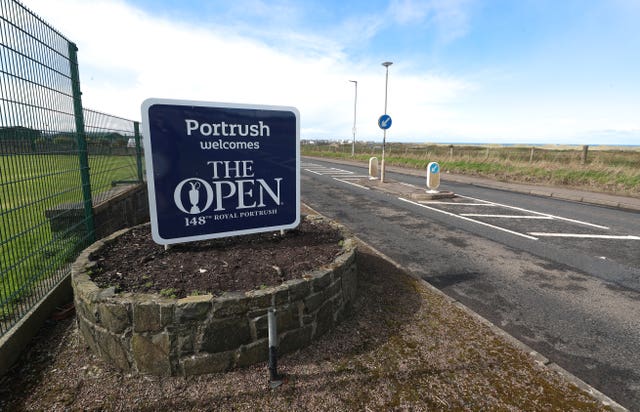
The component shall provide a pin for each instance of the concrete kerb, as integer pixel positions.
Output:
(612, 201)
(537, 357)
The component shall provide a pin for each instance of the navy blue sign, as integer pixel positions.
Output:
(217, 169)
(384, 122)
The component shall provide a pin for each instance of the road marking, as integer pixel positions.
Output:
(435, 202)
(584, 236)
(470, 220)
(331, 171)
(507, 216)
(355, 177)
(580, 222)
(351, 183)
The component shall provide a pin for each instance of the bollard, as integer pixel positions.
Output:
(433, 177)
(373, 168)
(275, 379)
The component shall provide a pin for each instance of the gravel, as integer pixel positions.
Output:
(404, 347)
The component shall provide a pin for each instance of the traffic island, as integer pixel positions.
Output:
(401, 189)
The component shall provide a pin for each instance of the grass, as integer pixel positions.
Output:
(609, 170)
(33, 258)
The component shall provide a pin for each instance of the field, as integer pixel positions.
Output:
(33, 258)
(607, 169)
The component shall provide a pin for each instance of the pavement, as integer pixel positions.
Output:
(576, 195)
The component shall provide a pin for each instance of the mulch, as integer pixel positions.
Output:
(135, 263)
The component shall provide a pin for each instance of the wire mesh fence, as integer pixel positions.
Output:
(56, 160)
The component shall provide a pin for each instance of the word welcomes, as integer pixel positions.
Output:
(216, 169)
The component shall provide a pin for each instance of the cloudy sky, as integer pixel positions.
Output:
(488, 71)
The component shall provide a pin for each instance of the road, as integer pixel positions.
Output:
(562, 277)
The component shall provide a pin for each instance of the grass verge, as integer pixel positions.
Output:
(607, 171)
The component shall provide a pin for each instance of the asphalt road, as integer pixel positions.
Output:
(562, 277)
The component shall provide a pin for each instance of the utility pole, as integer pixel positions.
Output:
(384, 136)
(355, 104)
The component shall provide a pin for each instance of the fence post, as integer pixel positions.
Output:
(531, 155)
(585, 151)
(136, 131)
(82, 143)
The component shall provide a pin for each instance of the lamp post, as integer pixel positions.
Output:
(355, 103)
(384, 131)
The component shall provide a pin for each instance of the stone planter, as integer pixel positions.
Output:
(150, 334)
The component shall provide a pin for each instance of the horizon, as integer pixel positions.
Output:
(462, 143)
(479, 71)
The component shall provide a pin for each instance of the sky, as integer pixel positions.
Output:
(479, 71)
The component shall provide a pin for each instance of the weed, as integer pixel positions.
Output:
(168, 293)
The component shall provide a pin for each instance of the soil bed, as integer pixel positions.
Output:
(135, 263)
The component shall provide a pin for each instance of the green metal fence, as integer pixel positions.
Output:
(56, 160)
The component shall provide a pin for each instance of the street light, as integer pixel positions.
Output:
(384, 131)
(355, 103)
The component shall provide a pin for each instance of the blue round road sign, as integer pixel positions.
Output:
(434, 168)
(384, 122)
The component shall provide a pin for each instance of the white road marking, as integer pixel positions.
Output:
(345, 174)
(354, 177)
(507, 216)
(580, 222)
(331, 171)
(469, 220)
(435, 202)
(585, 236)
(351, 183)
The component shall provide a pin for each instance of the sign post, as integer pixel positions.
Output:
(220, 169)
(384, 122)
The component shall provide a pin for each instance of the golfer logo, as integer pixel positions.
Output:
(197, 191)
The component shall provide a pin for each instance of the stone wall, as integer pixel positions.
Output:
(120, 207)
(126, 208)
(154, 335)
